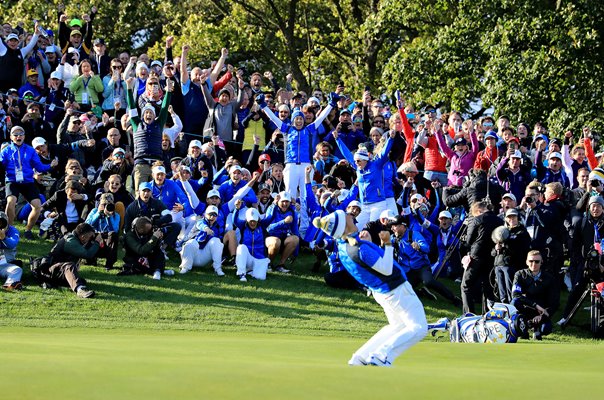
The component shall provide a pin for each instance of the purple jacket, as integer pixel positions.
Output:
(460, 165)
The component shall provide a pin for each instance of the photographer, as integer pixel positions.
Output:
(147, 206)
(67, 206)
(106, 223)
(142, 245)
(585, 253)
(536, 295)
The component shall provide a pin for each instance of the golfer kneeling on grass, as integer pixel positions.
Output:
(375, 268)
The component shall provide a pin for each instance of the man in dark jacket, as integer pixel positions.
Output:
(477, 189)
(536, 295)
(66, 256)
(143, 251)
(478, 263)
(146, 206)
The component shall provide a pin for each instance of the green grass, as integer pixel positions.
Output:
(200, 336)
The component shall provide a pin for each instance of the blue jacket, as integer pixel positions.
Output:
(370, 179)
(388, 174)
(274, 221)
(407, 256)
(228, 189)
(9, 243)
(104, 223)
(170, 193)
(369, 254)
(253, 239)
(298, 143)
(203, 237)
(314, 210)
(12, 156)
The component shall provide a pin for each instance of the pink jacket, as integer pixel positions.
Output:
(460, 165)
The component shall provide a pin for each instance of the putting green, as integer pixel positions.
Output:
(117, 364)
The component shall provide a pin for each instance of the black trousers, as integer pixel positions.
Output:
(476, 275)
(424, 276)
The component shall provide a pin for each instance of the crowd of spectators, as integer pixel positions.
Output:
(217, 166)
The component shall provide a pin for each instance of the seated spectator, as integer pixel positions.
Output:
(206, 246)
(106, 223)
(9, 239)
(116, 164)
(536, 295)
(121, 197)
(281, 223)
(66, 206)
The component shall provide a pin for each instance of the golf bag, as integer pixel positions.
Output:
(502, 324)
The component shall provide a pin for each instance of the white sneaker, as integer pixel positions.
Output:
(157, 275)
(219, 272)
(357, 360)
(242, 278)
(561, 322)
(169, 272)
(184, 270)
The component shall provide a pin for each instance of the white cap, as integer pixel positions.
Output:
(417, 197)
(12, 36)
(50, 49)
(251, 214)
(509, 196)
(445, 214)
(235, 168)
(554, 154)
(156, 62)
(284, 196)
(72, 50)
(388, 214)
(195, 143)
(517, 154)
(354, 203)
(210, 210)
(120, 150)
(213, 193)
(56, 75)
(158, 169)
(39, 141)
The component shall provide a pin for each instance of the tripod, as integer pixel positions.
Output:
(451, 249)
(595, 306)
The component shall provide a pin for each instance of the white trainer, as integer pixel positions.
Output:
(219, 272)
(157, 275)
(169, 272)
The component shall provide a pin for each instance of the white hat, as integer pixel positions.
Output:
(554, 154)
(388, 214)
(445, 214)
(597, 173)
(56, 75)
(118, 150)
(417, 197)
(213, 193)
(12, 36)
(284, 196)
(49, 49)
(210, 210)
(206, 146)
(73, 51)
(16, 128)
(251, 214)
(333, 224)
(354, 203)
(235, 168)
(148, 107)
(158, 169)
(39, 141)
(517, 154)
(195, 143)
(509, 196)
(156, 62)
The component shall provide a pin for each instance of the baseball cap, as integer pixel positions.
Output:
(354, 203)
(554, 154)
(509, 196)
(39, 141)
(345, 111)
(388, 214)
(49, 49)
(75, 32)
(16, 129)
(98, 41)
(490, 135)
(262, 187)
(461, 141)
(158, 169)
(445, 214)
(145, 186)
(55, 75)
(211, 210)
(511, 211)
(264, 157)
(74, 118)
(284, 196)
(118, 150)
(12, 36)
(235, 168)
(195, 143)
(517, 154)
(400, 220)
(251, 214)
(156, 62)
(32, 71)
(75, 22)
(213, 193)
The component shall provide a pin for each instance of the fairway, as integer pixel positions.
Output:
(116, 364)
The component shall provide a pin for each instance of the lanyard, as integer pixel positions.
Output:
(85, 83)
(20, 167)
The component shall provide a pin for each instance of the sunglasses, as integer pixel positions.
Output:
(21, 134)
(117, 66)
(214, 215)
(77, 122)
(153, 84)
(535, 261)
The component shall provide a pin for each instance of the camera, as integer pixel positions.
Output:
(529, 200)
(592, 261)
(594, 183)
(110, 207)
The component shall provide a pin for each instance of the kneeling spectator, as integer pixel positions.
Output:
(67, 206)
(106, 223)
(536, 295)
(251, 256)
(142, 245)
(9, 238)
(206, 246)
